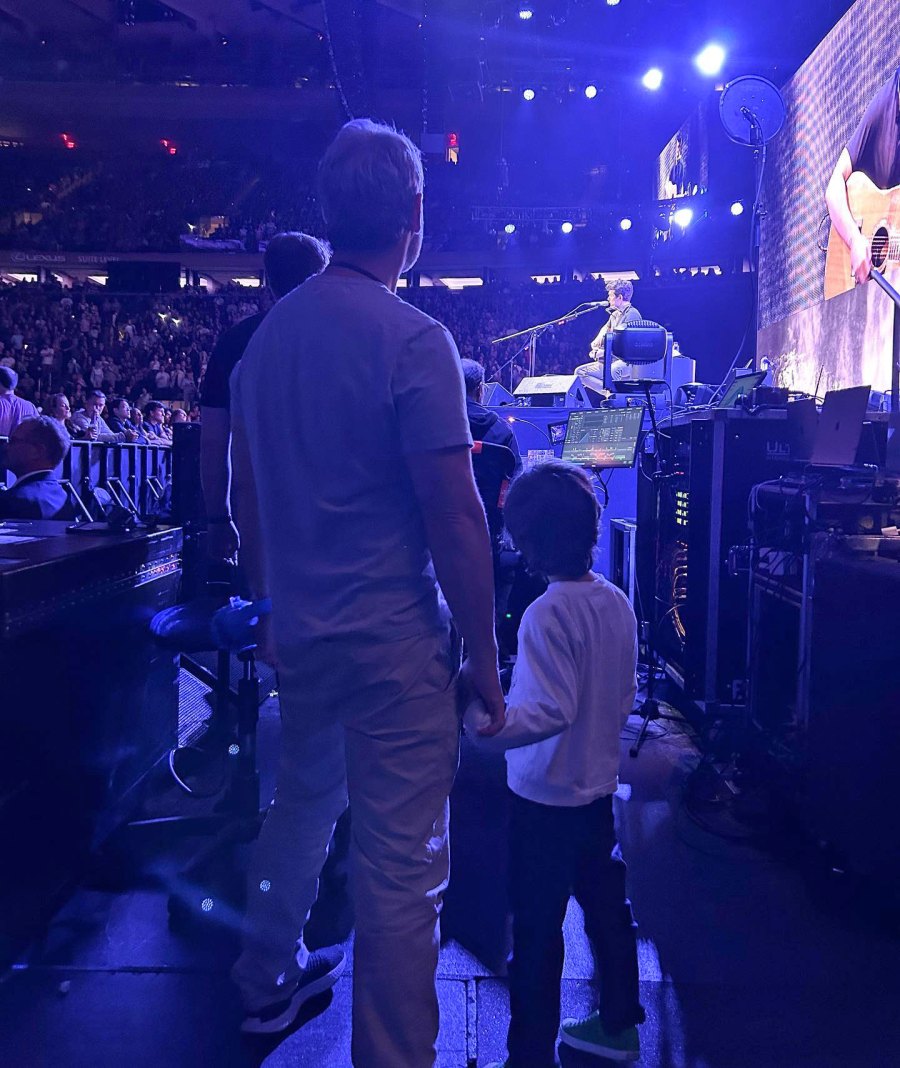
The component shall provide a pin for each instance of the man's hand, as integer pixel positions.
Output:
(861, 258)
(481, 679)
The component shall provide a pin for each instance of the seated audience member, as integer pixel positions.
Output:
(573, 688)
(58, 408)
(289, 260)
(485, 425)
(179, 415)
(155, 428)
(13, 409)
(120, 422)
(37, 446)
(89, 423)
(194, 414)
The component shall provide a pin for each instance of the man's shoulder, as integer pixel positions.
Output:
(235, 338)
(404, 320)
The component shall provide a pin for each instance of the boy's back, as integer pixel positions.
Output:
(573, 688)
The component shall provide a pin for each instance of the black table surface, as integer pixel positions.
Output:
(40, 577)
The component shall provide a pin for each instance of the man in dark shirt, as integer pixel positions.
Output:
(621, 313)
(120, 423)
(289, 260)
(874, 150)
(486, 425)
(36, 448)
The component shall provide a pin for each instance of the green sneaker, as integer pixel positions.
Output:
(589, 1036)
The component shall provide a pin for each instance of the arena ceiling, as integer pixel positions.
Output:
(397, 59)
(210, 19)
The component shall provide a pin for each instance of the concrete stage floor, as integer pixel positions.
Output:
(745, 961)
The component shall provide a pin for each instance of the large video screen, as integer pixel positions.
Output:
(811, 341)
(683, 165)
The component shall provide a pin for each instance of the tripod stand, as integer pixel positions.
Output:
(649, 709)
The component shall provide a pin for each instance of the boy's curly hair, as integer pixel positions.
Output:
(553, 517)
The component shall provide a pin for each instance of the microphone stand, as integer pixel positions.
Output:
(892, 454)
(534, 332)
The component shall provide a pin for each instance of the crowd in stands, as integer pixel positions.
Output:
(142, 348)
(139, 202)
(64, 344)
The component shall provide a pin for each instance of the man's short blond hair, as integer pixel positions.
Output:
(368, 180)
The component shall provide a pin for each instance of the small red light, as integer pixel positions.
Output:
(172, 150)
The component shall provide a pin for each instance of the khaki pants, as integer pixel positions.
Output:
(376, 724)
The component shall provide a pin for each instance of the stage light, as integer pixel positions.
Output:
(525, 12)
(683, 217)
(510, 228)
(567, 228)
(737, 208)
(612, 3)
(590, 91)
(528, 94)
(625, 224)
(709, 61)
(653, 79)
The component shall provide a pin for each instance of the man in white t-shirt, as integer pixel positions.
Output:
(354, 498)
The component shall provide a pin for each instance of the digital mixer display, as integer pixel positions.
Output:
(603, 437)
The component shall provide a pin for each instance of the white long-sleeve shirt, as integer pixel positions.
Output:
(573, 688)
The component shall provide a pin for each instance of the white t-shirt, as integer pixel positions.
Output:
(339, 383)
(573, 688)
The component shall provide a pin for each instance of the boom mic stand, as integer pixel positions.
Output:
(532, 333)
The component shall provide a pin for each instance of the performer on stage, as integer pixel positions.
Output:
(621, 312)
(872, 151)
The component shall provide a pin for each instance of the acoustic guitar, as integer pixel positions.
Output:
(877, 213)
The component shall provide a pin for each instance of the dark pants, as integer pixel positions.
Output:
(556, 852)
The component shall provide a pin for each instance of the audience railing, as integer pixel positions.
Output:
(135, 476)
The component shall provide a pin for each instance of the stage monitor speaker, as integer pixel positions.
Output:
(495, 395)
(138, 276)
(552, 391)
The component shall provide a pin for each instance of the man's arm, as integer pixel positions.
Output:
(222, 540)
(844, 223)
(457, 535)
(252, 556)
(104, 433)
(543, 699)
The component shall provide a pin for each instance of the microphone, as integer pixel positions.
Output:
(591, 305)
(750, 117)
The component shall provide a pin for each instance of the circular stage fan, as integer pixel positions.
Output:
(752, 110)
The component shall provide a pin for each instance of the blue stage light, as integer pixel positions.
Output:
(626, 224)
(567, 228)
(653, 79)
(683, 217)
(528, 94)
(526, 12)
(737, 208)
(590, 91)
(709, 61)
(510, 228)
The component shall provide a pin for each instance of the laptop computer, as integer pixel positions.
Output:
(739, 385)
(840, 427)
